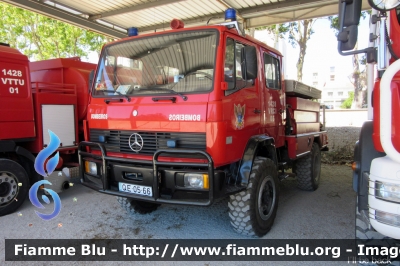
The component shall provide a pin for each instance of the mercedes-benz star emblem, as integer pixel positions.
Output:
(135, 142)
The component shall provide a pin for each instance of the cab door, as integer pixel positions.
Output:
(241, 100)
(274, 108)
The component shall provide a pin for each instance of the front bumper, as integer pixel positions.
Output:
(384, 215)
(165, 177)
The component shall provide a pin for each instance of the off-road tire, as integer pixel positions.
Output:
(135, 206)
(252, 211)
(12, 195)
(308, 169)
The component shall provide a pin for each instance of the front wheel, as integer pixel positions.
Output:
(14, 186)
(252, 212)
(136, 206)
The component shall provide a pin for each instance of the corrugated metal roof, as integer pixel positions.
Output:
(113, 18)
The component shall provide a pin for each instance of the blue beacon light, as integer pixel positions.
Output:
(133, 32)
(230, 13)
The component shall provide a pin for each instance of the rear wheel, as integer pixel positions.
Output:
(252, 212)
(14, 186)
(308, 169)
(136, 206)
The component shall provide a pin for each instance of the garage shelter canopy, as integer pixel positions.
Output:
(113, 18)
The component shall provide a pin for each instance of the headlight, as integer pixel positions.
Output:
(193, 180)
(387, 191)
(91, 168)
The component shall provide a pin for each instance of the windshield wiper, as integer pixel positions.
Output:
(170, 90)
(124, 95)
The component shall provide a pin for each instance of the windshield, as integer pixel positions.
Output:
(171, 63)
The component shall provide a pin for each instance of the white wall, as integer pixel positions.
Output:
(345, 118)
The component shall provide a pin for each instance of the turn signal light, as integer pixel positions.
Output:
(354, 166)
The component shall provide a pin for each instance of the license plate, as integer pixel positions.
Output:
(136, 189)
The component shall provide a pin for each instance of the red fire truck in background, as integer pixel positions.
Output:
(376, 176)
(35, 97)
(191, 115)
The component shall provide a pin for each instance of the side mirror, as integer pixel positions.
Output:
(91, 79)
(249, 56)
(349, 17)
(383, 5)
(348, 38)
(352, 12)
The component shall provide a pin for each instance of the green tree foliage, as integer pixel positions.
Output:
(349, 101)
(40, 37)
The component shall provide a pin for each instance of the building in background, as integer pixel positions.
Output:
(334, 84)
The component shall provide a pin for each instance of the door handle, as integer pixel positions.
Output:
(256, 111)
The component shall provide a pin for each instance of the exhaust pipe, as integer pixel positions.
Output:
(65, 185)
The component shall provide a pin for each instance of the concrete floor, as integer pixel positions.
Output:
(326, 213)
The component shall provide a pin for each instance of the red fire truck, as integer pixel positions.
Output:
(377, 153)
(35, 97)
(191, 115)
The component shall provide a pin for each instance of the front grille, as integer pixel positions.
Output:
(118, 141)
